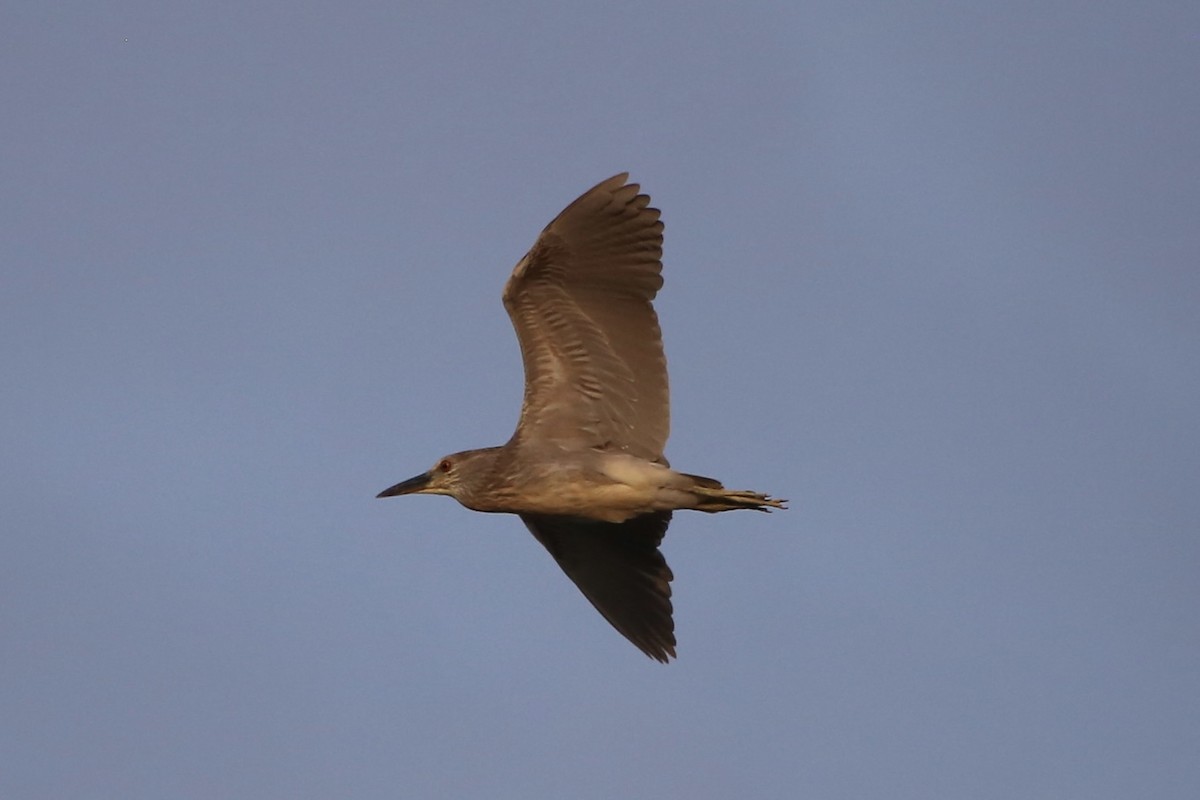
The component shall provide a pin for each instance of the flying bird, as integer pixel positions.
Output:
(584, 469)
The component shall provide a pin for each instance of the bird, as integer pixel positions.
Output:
(585, 469)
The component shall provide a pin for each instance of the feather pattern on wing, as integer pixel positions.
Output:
(580, 301)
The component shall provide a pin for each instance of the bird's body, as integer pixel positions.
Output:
(585, 468)
(594, 484)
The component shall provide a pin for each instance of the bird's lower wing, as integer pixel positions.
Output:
(619, 568)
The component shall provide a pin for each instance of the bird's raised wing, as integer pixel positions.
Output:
(619, 568)
(580, 301)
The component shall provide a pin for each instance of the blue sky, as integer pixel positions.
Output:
(931, 273)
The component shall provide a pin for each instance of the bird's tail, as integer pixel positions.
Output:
(711, 496)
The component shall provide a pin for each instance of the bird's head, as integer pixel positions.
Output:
(456, 475)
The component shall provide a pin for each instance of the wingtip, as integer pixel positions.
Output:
(662, 653)
(618, 181)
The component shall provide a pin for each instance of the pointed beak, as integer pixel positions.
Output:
(410, 486)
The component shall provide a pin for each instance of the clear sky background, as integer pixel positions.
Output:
(933, 273)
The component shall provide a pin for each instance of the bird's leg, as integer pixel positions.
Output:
(709, 495)
(714, 500)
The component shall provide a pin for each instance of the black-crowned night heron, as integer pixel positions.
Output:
(585, 469)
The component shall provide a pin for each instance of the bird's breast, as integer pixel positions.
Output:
(600, 486)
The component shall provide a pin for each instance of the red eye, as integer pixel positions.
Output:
(444, 466)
